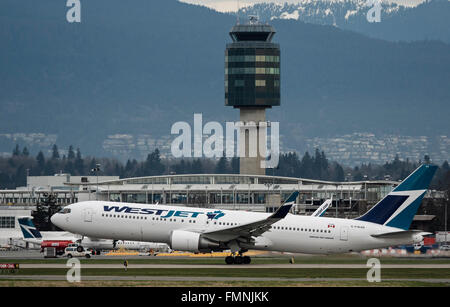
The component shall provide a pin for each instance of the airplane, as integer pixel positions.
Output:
(323, 207)
(61, 239)
(32, 235)
(58, 239)
(205, 230)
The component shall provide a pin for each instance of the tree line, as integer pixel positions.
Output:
(14, 169)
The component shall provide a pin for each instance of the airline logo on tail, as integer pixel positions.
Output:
(398, 208)
(29, 231)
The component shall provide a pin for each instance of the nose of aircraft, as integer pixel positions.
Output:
(56, 219)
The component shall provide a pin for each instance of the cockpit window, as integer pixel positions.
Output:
(64, 210)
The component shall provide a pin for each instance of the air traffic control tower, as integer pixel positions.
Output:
(252, 84)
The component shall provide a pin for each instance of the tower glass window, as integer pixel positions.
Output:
(252, 67)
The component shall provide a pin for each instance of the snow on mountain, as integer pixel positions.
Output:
(319, 12)
(426, 21)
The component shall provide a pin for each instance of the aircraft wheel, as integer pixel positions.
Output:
(229, 260)
(238, 260)
(247, 260)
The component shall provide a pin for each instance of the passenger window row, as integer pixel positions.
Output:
(301, 229)
(163, 219)
(224, 223)
(143, 217)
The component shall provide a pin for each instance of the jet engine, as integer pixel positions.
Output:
(182, 240)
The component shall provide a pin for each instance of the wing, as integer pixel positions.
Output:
(253, 229)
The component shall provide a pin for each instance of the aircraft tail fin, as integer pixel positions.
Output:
(29, 231)
(397, 209)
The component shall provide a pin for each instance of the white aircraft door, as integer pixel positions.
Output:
(344, 233)
(88, 215)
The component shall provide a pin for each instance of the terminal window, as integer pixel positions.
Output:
(7, 222)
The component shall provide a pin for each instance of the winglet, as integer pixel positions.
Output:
(284, 209)
(323, 208)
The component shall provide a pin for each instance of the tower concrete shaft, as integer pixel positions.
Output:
(252, 84)
(252, 141)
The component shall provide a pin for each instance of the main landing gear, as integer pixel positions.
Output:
(239, 259)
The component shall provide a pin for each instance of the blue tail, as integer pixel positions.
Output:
(398, 208)
(29, 231)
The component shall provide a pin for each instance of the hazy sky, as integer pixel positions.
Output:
(231, 5)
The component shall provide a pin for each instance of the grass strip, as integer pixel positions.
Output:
(33, 283)
(255, 260)
(390, 273)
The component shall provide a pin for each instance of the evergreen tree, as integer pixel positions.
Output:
(44, 211)
(69, 167)
(49, 169)
(79, 163)
(25, 152)
(339, 174)
(20, 178)
(222, 166)
(181, 168)
(153, 165)
(40, 162)
(71, 153)
(197, 167)
(16, 151)
(93, 165)
(55, 152)
(306, 168)
(118, 170)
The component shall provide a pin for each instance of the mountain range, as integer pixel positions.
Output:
(429, 20)
(138, 67)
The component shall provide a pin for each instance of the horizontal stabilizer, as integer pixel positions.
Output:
(400, 234)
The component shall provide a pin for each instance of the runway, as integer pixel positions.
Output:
(206, 279)
(231, 267)
(284, 273)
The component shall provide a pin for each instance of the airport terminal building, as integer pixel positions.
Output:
(259, 193)
(243, 192)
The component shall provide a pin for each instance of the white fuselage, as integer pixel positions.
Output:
(138, 245)
(155, 223)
